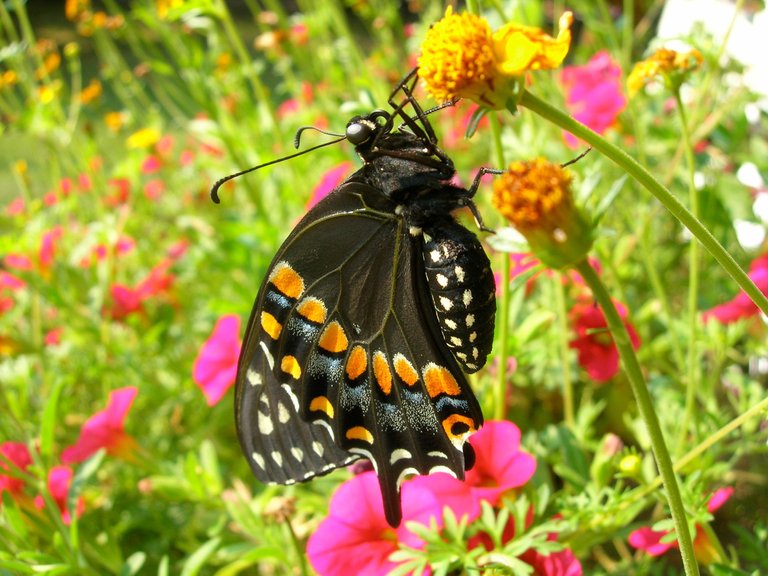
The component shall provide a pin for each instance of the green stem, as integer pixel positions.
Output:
(565, 351)
(692, 379)
(647, 412)
(645, 179)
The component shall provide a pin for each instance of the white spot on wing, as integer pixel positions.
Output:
(318, 448)
(437, 454)
(405, 473)
(459, 271)
(450, 323)
(277, 457)
(267, 355)
(456, 341)
(446, 303)
(435, 256)
(467, 297)
(253, 377)
(298, 453)
(445, 469)
(399, 454)
(470, 320)
(292, 396)
(282, 413)
(259, 459)
(265, 425)
(327, 426)
(442, 280)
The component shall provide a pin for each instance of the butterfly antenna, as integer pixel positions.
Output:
(300, 131)
(220, 181)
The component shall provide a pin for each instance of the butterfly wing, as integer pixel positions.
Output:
(344, 357)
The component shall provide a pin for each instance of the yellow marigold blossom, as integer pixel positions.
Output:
(536, 198)
(90, 92)
(75, 9)
(50, 63)
(143, 138)
(165, 6)
(114, 120)
(8, 78)
(462, 57)
(671, 66)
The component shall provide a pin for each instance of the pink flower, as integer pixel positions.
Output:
(48, 246)
(500, 466)
(53, 337)
(741, 306)
(120, 191)
(215, 367)
(105, 429)
(594, 95)
(127, 300)
(8, 283)
(154, 188)
(59, 481)
(562, 563)
(151, 164)
(18, 261)
(16, 207)
(329, 181)
(355, 537)
(597, 353)
(19, 456)
(650, 541)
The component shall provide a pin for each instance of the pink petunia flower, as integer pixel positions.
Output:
(128, 300)
(500, 466)
(59, 481)
(597, 353)
(215, 367)
(329, 181)
(154, 189)
(562, 563)
(105, 429)
(18, 455)
(650, 541)
(741, 306)
(355, 537)
(8, 283)
(593, 94)
(151, 164)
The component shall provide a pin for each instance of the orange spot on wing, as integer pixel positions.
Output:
(333, 338)
(357, 362)
(321, 404)
(458, 434)
(290, 365)
(359, 433)
(270, 325)
(313, 310)
(439, 380)
(287, 281)
(405, 370)
(381, 372)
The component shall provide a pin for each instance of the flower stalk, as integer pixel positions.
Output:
(645, 179)
(644, 401)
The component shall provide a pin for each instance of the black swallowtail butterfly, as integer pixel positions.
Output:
(372, 310)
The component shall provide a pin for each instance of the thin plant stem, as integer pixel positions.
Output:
(692, 372)
(565, 350)
(645, 179)
(647, 411)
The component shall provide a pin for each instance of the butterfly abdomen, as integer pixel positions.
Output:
(463, 291)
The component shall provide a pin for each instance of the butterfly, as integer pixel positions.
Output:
(371, 312)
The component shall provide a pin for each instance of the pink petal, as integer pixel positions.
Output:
(719, 498)
(650, 541)
(215, 368)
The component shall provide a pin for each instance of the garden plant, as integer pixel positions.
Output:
(625, 394)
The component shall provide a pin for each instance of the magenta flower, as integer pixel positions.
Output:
(741, 306)
(19, 456)
(562, 563)
(127, 300)
(500, 466)
(105, 429)
(597, 353)
(329, 181)
(650, 541)
(16, 207)
(151, 164)
(355, 538)
(59, 481)
(593, 94)
(215, 367)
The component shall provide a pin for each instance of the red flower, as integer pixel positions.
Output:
(215, 367)
(16, 207)
(562, 563)
(329, 181)
(355, 537)
(59, 481)
(8, 283)
(19, 456)
(594, 95)
(151, 164)
(154, 188)
(105, 429)
(741, 306)
(596, 351)
(127, 300)
(649, 540)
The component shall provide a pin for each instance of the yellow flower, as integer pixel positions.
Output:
(75, 9)
(8, 78)
(91, 92)
(165, 6)
(143, 138)
(673, 67)
(50, 63)
(536, 198)
(114, 120)
(462, 57)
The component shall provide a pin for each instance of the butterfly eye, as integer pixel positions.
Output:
(359, 132)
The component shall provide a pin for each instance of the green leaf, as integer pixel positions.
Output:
(199, 557)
